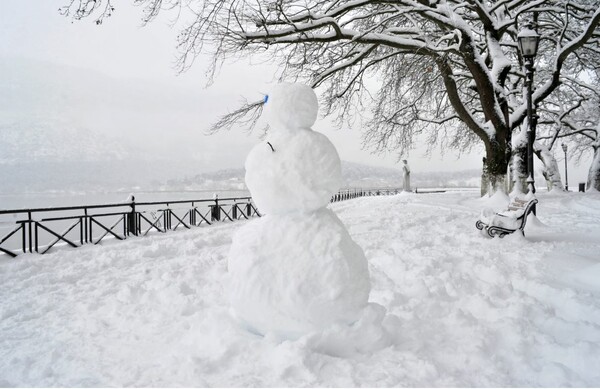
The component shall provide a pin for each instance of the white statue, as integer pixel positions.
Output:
(406, 172)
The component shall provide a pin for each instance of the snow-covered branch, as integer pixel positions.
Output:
(462, 57)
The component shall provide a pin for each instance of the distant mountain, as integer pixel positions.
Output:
(41, 155)
(50, 141)
(470, 178)
(355, 175)
(68, 129)
(64, 128)
(364, 176)
(225, 179)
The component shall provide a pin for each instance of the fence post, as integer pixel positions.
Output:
(84, 228)
(36, 237)
(133, 218)
(216, 210)
(167, 218)
(29, 228)
(193, 215)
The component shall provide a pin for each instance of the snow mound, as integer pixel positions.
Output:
(319, 278)
(373, 331)
(498, 200)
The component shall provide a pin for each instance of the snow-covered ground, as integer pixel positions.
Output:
(462, 309)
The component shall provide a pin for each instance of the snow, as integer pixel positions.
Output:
(291, 106)
(498, 200)
(297, 273)
(303, 172)
(460, 309)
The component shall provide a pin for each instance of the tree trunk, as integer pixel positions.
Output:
(551, 172)
(594, 173)
(494, 183)
(495, 169)
(519, 170)
(519, 163)
(485, 181)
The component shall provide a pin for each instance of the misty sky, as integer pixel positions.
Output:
(125, 51)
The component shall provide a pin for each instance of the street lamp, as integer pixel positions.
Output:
(528, 45)
(564, 147)
(528, 42)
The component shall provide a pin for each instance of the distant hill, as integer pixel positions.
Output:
(53, 112)
(51, 141)
(358, 175)
(52, 155)
(355, 175)
(40, 155)
(67, 129)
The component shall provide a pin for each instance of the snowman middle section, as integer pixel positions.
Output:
(293, 170)
(295, 270)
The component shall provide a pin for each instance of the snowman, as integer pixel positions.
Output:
(296, 270)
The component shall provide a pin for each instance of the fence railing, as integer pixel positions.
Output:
(37, 230)
(347, 194)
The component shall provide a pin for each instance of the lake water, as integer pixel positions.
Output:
(54, 199)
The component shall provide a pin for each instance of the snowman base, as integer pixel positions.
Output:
(297, 273)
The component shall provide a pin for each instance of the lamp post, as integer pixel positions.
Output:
(564, 147)
(528, 45)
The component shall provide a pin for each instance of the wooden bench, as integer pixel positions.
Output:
(508, 221)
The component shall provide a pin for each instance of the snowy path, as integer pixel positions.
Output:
(467, 310)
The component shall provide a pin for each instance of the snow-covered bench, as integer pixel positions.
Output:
(508, 221)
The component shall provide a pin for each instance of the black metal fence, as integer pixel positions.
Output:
(347, 194)
(40, 229)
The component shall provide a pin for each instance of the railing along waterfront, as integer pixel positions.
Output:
(38, 230)
(347, 194)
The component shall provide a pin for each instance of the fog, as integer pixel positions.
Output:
(118, 81)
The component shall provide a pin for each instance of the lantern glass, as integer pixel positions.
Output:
(564, 147)
(528, 42)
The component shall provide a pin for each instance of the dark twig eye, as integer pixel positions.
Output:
(271, 146)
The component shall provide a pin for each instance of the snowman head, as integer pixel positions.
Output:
(291, 106)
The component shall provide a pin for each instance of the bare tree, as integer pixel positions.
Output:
(446, 68)
(580, 127)
(563, 104)
(593, 181)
